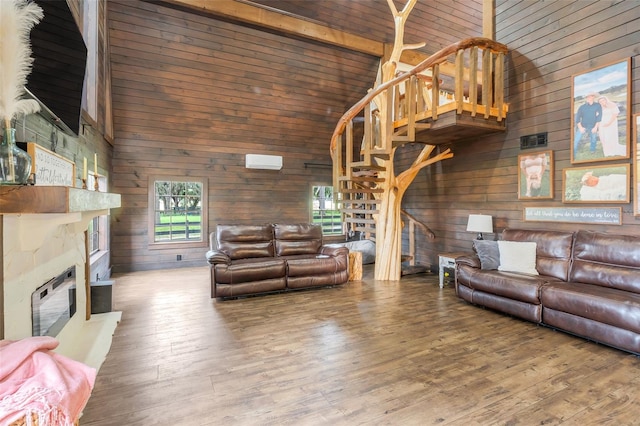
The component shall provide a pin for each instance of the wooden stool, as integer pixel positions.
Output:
(355, 265)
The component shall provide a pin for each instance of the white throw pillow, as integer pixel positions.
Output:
(518, 256)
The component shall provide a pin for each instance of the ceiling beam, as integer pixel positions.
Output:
(266, 17)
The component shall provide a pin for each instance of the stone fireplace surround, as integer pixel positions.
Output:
(39, 244)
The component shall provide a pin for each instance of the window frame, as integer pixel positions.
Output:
(94, 232)
(204, 217)
(312, 210)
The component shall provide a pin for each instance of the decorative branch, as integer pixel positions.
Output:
(17, 17)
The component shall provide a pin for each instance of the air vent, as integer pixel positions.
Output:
(533, 141)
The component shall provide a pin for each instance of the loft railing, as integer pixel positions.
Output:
(472, 83)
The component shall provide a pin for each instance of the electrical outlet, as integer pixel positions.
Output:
(179, 257)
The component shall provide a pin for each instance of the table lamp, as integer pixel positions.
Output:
(480, 223)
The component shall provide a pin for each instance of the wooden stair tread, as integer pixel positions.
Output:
(361, 191)
(359, 201)
(359, 211)
(361, 165)
(359, 220)
(361, 179)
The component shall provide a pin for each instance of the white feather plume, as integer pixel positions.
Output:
(17, 18)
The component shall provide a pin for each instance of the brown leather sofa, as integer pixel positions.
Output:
(589, 285)
(252, 259)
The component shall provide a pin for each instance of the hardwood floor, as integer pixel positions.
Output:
(369, 352)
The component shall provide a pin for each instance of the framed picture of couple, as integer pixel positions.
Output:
(600, 114)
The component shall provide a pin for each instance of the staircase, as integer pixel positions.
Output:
(454, 94)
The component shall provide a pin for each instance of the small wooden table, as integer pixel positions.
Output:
(447, 260)
(355, 265)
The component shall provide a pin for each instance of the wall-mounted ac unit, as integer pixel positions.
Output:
(258, 161)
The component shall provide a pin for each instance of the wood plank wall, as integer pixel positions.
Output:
(192, 95)
(550, 42)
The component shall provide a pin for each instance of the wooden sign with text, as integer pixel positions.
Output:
(50, 169)
(593, 215)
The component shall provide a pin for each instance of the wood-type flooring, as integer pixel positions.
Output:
(366, 353)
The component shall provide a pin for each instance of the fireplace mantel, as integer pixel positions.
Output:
(44, 208)
(53, 199)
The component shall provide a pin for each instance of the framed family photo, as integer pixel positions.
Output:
(535, 176)
(600, 113)
(596, 184)
(636, 164)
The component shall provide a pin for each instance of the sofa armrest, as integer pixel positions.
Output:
(217, 256)
(471, 260)
(334, 251)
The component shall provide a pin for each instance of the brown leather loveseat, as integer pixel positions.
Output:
(588, 285)
(251, 259)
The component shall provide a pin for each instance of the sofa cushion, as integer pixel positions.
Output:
(517, 256)
(297, 267)
(525, 288)
(251, 287)
(607, 260)
(246, 270)
(488, 253)
(299, 238)
(593, 330)
(245, 241)
(606, 305)
(317, 280)
(553, 249)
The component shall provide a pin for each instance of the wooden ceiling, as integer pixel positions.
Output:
(364, 25)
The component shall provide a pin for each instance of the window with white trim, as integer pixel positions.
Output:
(323, 210)
(177, 210)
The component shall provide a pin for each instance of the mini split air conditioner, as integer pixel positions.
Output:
(269, 162)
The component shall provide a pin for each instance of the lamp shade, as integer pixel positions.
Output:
(480, 223)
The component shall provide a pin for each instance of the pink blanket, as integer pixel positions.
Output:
(35, 380)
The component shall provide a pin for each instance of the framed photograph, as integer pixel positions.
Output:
(596, 184)
(535, 176)
(636, 164)
(600, 113)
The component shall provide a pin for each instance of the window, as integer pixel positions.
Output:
(323, 210)
(178, 208)
(98, 229)
(90, 35)
(94, 235)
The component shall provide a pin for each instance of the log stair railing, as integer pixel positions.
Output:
(466, 78)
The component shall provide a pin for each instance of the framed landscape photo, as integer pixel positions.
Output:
(636, 164)
(596, 184)
(535, 176)
(600, 113)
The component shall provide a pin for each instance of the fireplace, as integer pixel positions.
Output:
(53, 304)
(43, 230)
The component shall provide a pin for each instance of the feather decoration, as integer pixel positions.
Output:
(17, 18)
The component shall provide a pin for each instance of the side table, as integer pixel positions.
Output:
(447, 260)
(355, 265)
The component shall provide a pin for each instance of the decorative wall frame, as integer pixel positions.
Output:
(535, 176)
(601, 96)
(636, 165)
(592, 215)
(596, 184)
